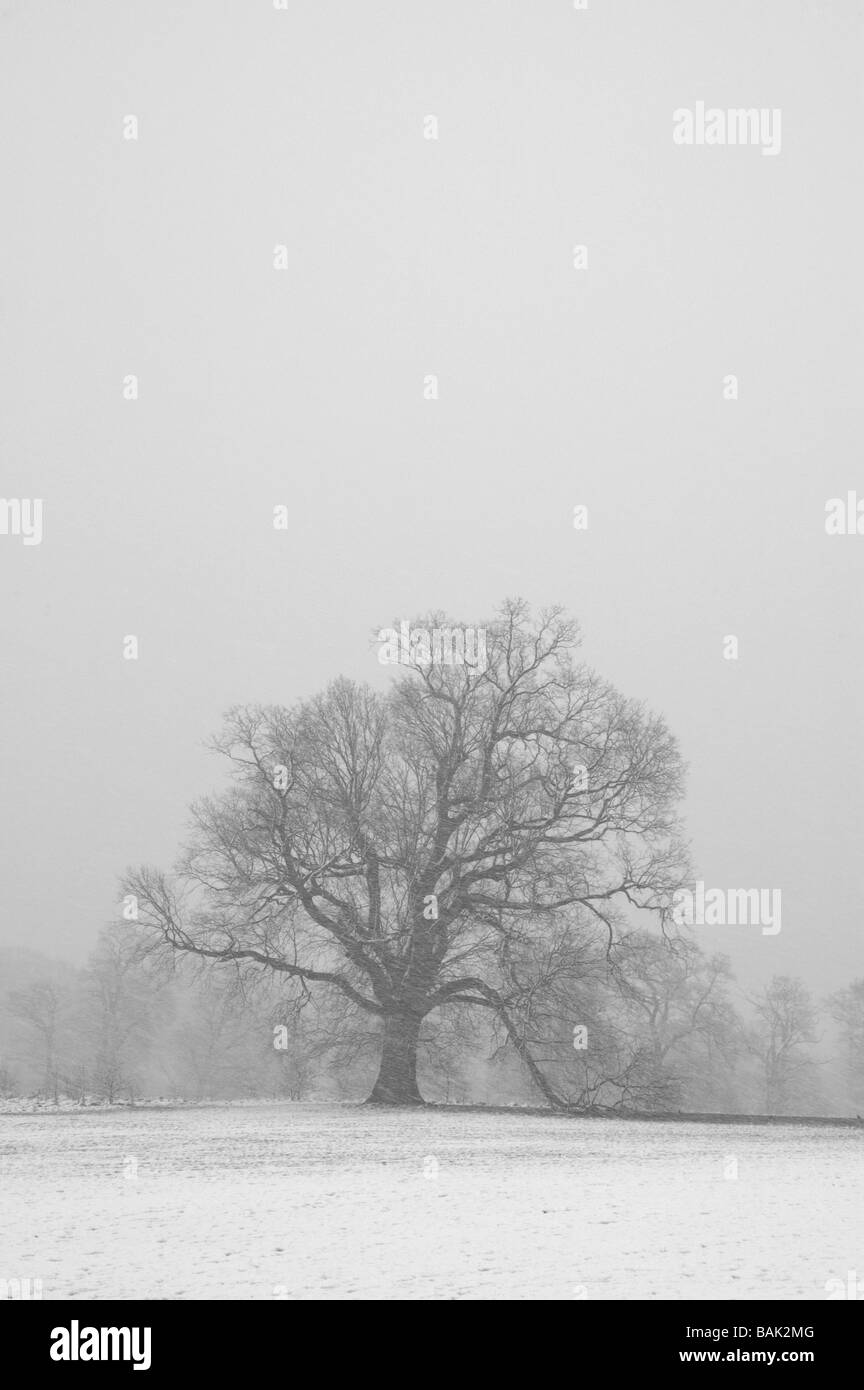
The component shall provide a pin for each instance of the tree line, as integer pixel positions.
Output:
(663, 1028)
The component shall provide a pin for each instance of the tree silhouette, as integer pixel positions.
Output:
(454, 841)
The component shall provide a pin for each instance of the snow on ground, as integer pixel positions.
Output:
(42, 1105)
(310, 1201)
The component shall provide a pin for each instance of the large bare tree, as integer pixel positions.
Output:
(452, 841)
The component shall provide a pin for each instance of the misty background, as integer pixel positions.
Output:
(304, 387)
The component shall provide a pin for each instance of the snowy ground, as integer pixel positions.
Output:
(310, 1201)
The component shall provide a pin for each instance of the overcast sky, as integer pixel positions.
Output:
(558, 386)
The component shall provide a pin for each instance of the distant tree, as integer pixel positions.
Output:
(782, 1039)
(451, 1042)
(118, 1007)
(846, 1007)
(296, 1052)
(40, 1006)
(676, 1003)
(455, 842)
(219, 1040)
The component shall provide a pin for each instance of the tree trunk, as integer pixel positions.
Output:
(397, 1075)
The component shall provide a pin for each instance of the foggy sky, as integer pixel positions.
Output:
(304, 387)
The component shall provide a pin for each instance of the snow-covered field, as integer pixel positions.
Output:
(312, 1201)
